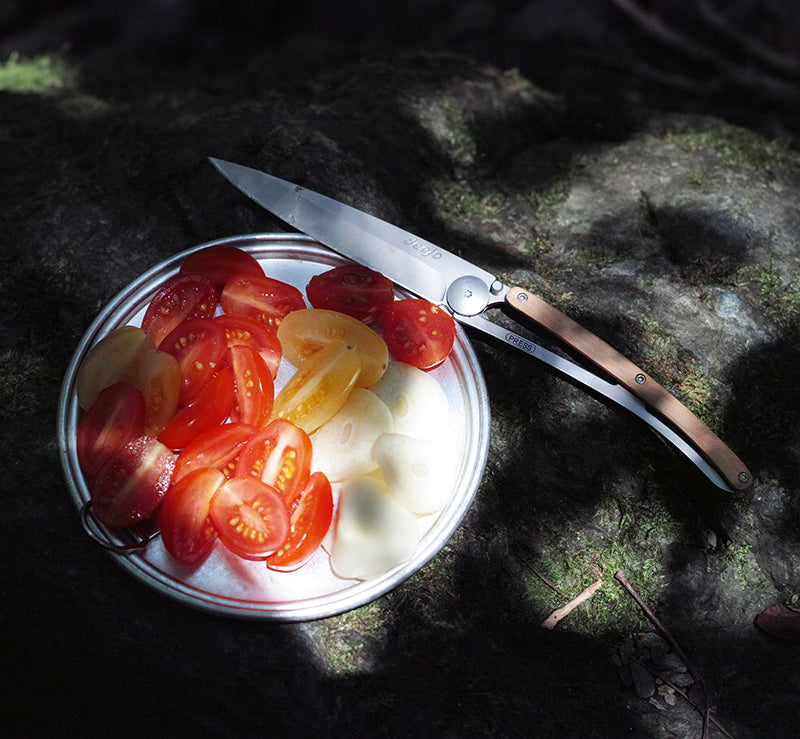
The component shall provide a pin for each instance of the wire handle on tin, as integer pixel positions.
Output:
(97, 531)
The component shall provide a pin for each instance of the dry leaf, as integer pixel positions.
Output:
(780, 621)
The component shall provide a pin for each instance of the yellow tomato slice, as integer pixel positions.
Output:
(304, 332)
(319, 387)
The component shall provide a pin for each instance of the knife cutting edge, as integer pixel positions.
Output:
(467, 291)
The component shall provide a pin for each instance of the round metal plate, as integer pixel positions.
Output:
(224, 583)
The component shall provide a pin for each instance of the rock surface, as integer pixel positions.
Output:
(673, 236)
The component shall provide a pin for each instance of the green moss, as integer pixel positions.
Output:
(39, 74)
(781, 300)
(739, 146)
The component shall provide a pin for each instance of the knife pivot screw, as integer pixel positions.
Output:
(522, 297)
(744, 477)
(640, 379)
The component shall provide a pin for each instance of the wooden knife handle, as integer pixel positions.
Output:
(638, 382)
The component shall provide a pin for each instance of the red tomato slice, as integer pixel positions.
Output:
(309, 522)
(115, 418)
(186, 527)
(262, 298)
(280, 456)
(353, 289)
(181, 297)
(418, 333)
(157, 375)
(219, 448)
(250, 517)
(132, 484)
(220, 263)
(199, 346)
(210, 408)
(249, 331)
(255, 391)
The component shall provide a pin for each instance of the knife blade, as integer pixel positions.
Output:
(467, 291)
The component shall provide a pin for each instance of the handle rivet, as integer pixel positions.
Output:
(744, 477)
(640, 379)
(522, 297)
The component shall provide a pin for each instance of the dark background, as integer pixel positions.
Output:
(738, 59)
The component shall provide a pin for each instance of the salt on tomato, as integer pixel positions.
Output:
(352, 289)
(249, 331)
(219, 448)
(310, 520)
(209, 408)
(186, 527)
(250, 517)
(199, 346)
(319, 387)
(304, 332)
(418, 332)
(108, 361)
(262, 298)
(181, 297)
(132, 483)
(255, 391)
(280, 456)
(116, 417)
(220, 263)
(157, 375)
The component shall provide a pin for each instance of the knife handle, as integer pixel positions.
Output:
(638, 382)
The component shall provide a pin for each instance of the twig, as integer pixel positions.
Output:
(548, 583)
(747, 78)
(551, 621)
(704, 709)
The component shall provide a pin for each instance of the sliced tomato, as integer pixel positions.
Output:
(249, 331)
(116, 417)
(181, 297)
(132, 483)
(220, 263)
(250, 517)
(262, 298)
(418, 333)
(157, 375)
(199, 346)
(304, 332)
(319, 387)
(280, 456)
(309, 522)
(209, 408)
(255, 391)
(353, 289)
(108, 361)
(219, 448)
(186, 527)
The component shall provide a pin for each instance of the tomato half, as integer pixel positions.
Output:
(199, 346)
(249, 331)
(280, 456)
(209, 408)
(108, 361)
(309, 522)
(116, 417)
(186, 527)
(353, 289)
(255, 391)
(157, 375)
(181, 297)
(262, 298)
(219, 447)
(319, 387)
(418, 333)
(131, 485)
(220, 263)
(304, 332)
(250, 517)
